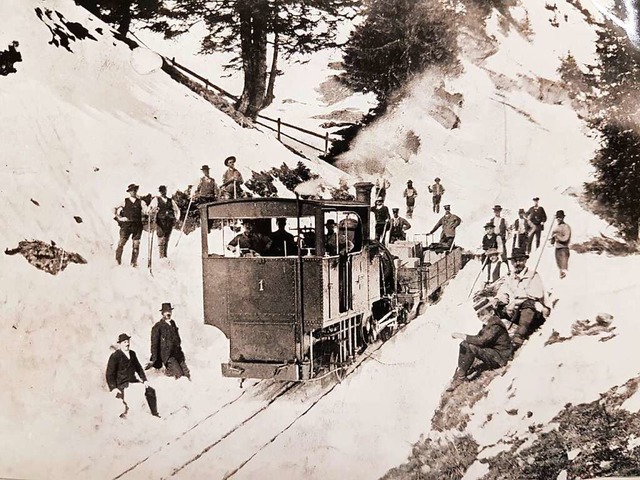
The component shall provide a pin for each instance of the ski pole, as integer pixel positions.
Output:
(543, 245)
(186, 215)
(479, 273)
(150, 242)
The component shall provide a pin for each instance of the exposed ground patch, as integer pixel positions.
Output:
(44, 256)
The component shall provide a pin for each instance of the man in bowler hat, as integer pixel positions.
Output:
(166, 349)
(538, 216)
(129, 216)
(207, 189)
(122, 368)
(560, 237)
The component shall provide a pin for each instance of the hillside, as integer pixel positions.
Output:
(83, 116)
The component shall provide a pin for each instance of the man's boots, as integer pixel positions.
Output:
(152, 401)
(458, 379)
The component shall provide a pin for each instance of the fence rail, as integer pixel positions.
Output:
(278, 121)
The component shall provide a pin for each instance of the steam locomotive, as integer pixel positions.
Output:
(310, 306)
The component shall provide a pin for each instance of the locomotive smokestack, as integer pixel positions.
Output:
(363, 192)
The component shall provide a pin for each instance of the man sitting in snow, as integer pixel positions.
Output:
(522, 298)
(491, 345)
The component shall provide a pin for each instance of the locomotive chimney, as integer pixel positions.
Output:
(363, 192)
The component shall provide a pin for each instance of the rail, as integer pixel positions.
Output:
(279, 124)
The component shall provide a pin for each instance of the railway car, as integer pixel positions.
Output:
(303, 289)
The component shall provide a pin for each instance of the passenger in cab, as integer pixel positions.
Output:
(249, 242)
(330, 238)
(282, 242)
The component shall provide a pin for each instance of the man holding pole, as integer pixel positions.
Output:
(560, 237)
(522, 298)
(383, 218)
(166, 213)
(129, 217)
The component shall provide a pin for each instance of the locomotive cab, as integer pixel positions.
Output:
(288, 281)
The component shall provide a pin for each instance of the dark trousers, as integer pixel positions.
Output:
(446, 240)
(436, 203)
(468, 353)
(562, 259)
(380, 232)
(537, 233)
(133, 230)
(410, 204)
(521, 242)
(164, 227)
(177, 369)
(150, 395)
(527, 323)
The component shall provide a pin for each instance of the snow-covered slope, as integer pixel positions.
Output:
(77, 127)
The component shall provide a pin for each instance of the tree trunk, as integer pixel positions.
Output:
(253, 40)
(268, 99)
(123, 15)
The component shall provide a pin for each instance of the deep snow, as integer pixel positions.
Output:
(76, 128)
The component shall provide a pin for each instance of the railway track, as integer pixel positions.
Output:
(219, 446)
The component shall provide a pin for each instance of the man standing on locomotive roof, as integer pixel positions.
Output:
(449, 222)
(121, 373)
(492, 345)
(207, 190)
(538, 216)
(381, 213)
(166, 213)
(166, 346)
(129, 216)
(398, 227)
(522, 298)
(437, 190)
(231, 180)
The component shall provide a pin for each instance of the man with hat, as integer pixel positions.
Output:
(231, 180)
(521, 229)
(330, 242)
(122, 368)
(437, 190)
(522, 298)
(129, 216)
(500, 229)
(382, 216)
(207, 190)
(449, 222)
(282, 242)
(560, 237)
(399, 226)
(166, 213)
(166, 346)
(491, 345)
(538, 216)
(250, 242)
(410, 195)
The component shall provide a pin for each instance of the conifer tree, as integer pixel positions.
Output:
(122, 12)
(247, 27)
(398, 39)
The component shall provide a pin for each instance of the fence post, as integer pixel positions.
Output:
(326, 142)
(173, 60)
(279, 121)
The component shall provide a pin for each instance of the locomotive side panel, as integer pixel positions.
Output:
(215, 273)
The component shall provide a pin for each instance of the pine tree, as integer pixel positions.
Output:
(246, 27)
(398, 39)
(617, 163)
(122, 12)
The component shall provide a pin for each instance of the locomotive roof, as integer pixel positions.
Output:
(276, 207)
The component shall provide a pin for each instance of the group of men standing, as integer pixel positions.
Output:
(124, 369)
(163, 212)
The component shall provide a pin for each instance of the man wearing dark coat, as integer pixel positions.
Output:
(383, 219)
(449, 222)
(399, 226)
(129, 217)
(538, 216)
(122, 368)
(166, 349)
(491, 345)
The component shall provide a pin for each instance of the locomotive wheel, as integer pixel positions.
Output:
(386, 334)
